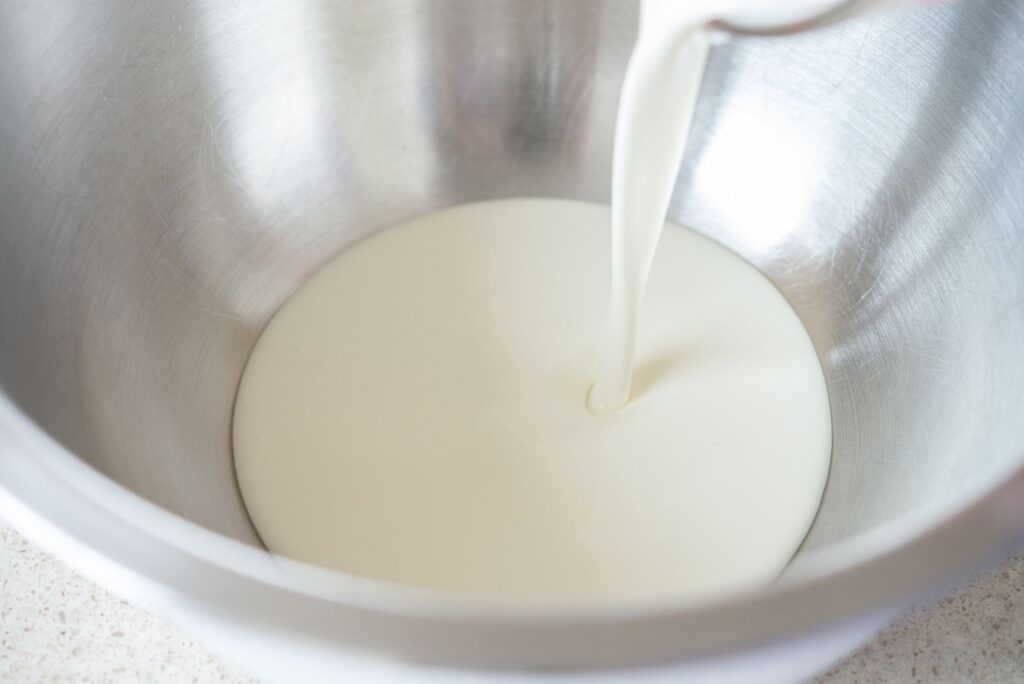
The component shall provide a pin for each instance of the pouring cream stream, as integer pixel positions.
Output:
(655, 111)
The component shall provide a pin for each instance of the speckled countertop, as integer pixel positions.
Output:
(56, 626)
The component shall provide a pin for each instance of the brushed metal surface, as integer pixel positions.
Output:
(171, 172)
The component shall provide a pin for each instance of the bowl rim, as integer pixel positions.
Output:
(139, 549)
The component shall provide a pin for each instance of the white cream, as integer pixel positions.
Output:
(415, 414)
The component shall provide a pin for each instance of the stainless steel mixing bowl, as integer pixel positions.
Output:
(170, 172)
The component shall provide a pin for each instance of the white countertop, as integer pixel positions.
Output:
(56, 626)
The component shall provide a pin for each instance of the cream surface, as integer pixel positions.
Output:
(415, 413)
(433, 408)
